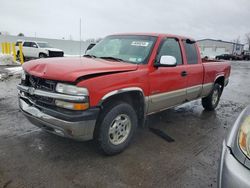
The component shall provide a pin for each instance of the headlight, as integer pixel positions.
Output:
(23, 75)
(71, 105)
(71, 89)
(244, 137)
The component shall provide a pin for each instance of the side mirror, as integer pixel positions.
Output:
(167, 61)
(34, 46)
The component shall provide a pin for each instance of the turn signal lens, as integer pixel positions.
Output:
(72, 106)
(244, 137)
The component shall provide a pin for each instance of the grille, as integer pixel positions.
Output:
(42, 84)
(55, 54)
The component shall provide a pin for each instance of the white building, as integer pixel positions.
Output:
(212, 48)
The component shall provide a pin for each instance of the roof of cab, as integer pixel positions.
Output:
(155, 35)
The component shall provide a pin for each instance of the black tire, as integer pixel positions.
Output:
(107, 120)
(212, 100)
(42, 55)
(18, 56)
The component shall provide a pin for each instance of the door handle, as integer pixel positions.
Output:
(184, 73)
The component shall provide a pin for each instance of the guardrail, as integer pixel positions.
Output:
(10, 48)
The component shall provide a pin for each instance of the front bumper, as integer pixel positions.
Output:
(55, 53)
(82, 129)
(231, 172)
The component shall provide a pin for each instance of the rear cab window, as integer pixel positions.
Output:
(170, 47)
(191, 52)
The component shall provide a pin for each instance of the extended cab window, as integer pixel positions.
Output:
(191, 52)
(170, 47)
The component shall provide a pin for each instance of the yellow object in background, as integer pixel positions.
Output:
(8, 48)
(21, 53)
(14, 51)
(3, 48)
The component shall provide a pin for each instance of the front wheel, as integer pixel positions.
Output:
(42, 55)
(212, 100)
(116, 127)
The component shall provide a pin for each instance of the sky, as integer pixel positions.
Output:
(216, 19)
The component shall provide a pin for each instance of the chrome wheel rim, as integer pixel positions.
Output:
(119, 129)
(215, 97)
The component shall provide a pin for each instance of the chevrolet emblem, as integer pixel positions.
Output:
(31, 91)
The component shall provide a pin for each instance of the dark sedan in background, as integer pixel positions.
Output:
(226, 57)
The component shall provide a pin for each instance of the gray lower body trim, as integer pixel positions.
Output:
(194, 92)
(162, 101)
(206, 89)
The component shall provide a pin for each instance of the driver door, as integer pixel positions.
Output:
(168, 84)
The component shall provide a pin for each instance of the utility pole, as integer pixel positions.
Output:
(80, 37)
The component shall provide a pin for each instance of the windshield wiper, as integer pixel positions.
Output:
(113, 58)
(89, 56)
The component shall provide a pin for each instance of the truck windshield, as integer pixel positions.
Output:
(43, 45)
(128, 48)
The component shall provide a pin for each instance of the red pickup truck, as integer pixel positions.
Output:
(107, 93)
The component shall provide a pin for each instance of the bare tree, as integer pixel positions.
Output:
(236, 48)
(237, 40)
(248, 40)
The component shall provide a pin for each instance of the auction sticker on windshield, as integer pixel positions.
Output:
(140, 43)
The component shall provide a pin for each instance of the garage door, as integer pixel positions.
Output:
(220, 51)
(208, 52)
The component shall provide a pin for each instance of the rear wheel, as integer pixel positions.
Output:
(116, 127)
(212, 100)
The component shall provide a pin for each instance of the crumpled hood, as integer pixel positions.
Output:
(70, 69)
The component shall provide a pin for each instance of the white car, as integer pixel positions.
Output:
(33, 49)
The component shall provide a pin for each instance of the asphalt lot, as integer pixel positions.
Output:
(32, 158)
